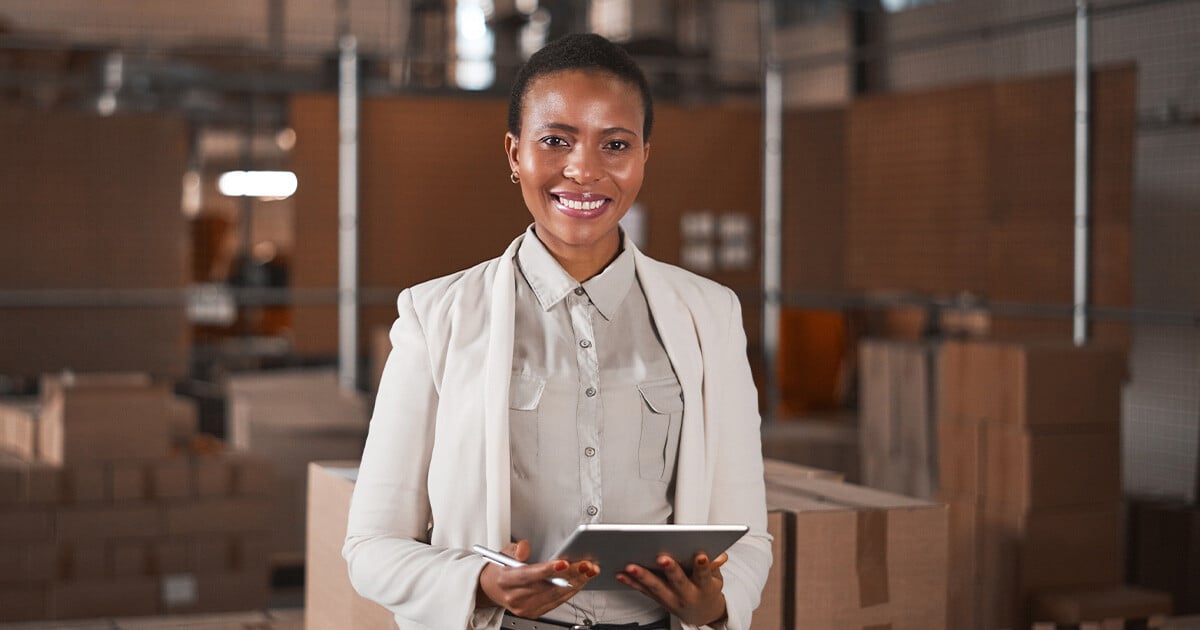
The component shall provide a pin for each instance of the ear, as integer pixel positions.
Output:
(645, 152)
(510, 149)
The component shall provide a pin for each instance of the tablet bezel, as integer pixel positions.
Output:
(613, 546)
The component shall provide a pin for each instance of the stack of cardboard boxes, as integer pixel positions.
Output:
(844, 556)
(1029, 463)
(108, 521)
(291, 418)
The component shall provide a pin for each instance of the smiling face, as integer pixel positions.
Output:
(581, 158)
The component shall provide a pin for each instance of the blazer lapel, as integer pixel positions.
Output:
(497, 373)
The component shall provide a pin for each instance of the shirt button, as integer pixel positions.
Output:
(578, 290)
(589, 451)
(585, 344)
(592, 511)
(591, 391)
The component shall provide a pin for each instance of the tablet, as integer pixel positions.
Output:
(614, 546)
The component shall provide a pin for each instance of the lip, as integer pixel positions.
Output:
(558, 196)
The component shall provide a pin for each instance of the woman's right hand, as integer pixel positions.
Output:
(526, 591)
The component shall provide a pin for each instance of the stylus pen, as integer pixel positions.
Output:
(505, 561)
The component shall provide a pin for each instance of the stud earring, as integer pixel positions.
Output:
(514, 178)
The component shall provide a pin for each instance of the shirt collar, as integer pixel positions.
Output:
(551, 283)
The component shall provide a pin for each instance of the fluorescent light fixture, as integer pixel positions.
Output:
(263, 184)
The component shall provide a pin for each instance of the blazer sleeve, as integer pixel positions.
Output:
(386, 548)
(738, 494)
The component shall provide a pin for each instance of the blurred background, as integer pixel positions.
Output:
(208, 208)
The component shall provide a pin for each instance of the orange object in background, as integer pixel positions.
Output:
(812, 368)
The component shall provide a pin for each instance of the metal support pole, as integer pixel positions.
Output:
(1082, 128)
(772, 217)
(348, 212)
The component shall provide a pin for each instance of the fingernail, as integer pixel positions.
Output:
(663, 562)
(634, 570)
(622, 579)
(561, 565)
(702, 560)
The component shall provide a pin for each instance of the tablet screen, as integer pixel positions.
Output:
(613, 546)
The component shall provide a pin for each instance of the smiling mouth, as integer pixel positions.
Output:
(580, 205)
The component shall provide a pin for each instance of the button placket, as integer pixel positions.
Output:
(589, 407)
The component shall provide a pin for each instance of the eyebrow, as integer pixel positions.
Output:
(573, 129)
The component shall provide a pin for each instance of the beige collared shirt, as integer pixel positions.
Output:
(595, 415)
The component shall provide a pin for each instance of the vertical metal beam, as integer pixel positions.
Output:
(348, 103)
(1082, 128)
(772, 211)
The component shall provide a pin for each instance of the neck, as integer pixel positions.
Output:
(583, 263)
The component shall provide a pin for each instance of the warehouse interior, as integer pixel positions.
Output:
(962, 233)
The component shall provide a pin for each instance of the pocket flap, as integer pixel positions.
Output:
(663, 396)
(525, 392)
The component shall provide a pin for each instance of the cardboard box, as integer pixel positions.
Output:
(1165, 550)
(104, 597)
(1037, 383)
(18, 426)
(960, 457)
(26, 526)
(218, 516)
(230, 590)
(781, 472)
(964, 576)
(1098, 604)
(24, 602)
(330, 602)
(897, 416)
(1050, 466)
(106, 523)
(128, 481)
(183, 420)
(170, 555)
(83, 561)
(290, 419)
(85, 484)
(27, 564)
(1072, 547)
(170, 478)
(130, 559)
(863, 557)
(774, 611)
(102, 417)
(213, 475)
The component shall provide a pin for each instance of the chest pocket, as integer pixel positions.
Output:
(524, 397)
(662, 415)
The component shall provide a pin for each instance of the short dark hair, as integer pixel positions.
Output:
(579, 51)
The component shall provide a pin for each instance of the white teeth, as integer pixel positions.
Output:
(581, 205)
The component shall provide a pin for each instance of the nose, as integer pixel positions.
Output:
(582, 166)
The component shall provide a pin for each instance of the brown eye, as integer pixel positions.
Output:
(554, 141)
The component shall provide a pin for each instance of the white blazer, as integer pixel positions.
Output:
(435, 473)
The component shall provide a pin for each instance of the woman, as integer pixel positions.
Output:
(570, 380)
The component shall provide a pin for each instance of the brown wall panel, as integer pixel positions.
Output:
(972, 189)
(435, 195)
(92, 203)
(918, 191)
(814, 200)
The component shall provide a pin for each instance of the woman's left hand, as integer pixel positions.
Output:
(695, 600)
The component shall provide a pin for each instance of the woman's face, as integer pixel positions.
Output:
(581, 158)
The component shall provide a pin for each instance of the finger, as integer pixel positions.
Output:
(676, 577)
(720, 561)
(521, 550)
(654, 586)
(702, 569)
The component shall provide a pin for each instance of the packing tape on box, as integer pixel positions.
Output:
(871, 558)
